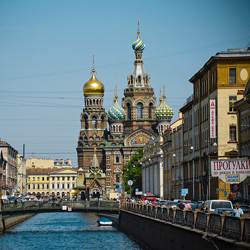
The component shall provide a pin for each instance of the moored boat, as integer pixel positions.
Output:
(104, 222)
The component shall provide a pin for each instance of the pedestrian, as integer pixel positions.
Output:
(15, 203)
(1, 204)
(187, 206)
(23, 202)
(238, 211)
(181, 205)
(40, 202)
(204, 208)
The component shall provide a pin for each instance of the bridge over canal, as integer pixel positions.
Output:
(107, 207)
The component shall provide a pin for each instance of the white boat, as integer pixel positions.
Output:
(104, 222)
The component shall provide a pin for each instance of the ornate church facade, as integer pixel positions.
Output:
(131, 125)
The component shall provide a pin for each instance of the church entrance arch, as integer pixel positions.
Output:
(83, 196)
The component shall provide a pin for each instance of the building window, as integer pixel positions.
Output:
(233, 133)
(58, 178)
(28, 186)
(73, 178)
(232, 100)
(73, 185)
(94, 122)
(63, 186)
(47, 178)
(139, 110)
(150, 111)
(47, 186)
(117, 159)
(42, 178)
(232, 76)
(34, 178)
(42, 186)
(34, 186)
(38, 186)
(53, 186)
(128, 111)
(28, 178)
(68, 185)
(117, 178)
(68, 178)
(53, 178)
(38, 178)
(63, 178)
(58, 186)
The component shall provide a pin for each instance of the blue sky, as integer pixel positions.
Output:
(46, 57)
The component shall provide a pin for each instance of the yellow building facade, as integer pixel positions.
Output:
(60, 182)
(223, 79)
(172, 147)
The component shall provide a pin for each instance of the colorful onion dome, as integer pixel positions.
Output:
(138, 45)
(164, 112)
(93, 86)
(116, 112)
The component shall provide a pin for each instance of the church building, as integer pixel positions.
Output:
(131, 125)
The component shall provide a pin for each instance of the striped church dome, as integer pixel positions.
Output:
(116, 112)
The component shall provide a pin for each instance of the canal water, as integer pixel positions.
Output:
(65, 231)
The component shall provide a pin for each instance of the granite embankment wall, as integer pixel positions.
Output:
(164, 228)
(7, 222)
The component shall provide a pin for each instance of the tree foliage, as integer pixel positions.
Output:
(132, 171)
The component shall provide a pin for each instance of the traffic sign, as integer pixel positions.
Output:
(119, 190)
(137, 189)
(225, 193)
(130, 182)
(184, 191)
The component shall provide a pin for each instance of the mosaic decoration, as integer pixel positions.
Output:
(140, 139)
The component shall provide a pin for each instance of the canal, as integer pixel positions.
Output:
(65, 231)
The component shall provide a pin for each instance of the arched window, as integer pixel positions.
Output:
(86, 122)
(129, 111)
(94, 102)
(103, 121)
(120, 128)
(94, 122)
(139, 110)
(139, 79)
(150, 111)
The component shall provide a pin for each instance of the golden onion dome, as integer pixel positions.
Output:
(93, 86)
(74, 191)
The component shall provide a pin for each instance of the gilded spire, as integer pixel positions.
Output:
(115, 93)
(164, 96)
(160, 97)
(93, 62)
(138, 31)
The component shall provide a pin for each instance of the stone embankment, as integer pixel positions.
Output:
(7, 222)
(161, 227)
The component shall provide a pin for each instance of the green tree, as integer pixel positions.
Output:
(132, 171)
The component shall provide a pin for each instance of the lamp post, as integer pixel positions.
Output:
(192, 148)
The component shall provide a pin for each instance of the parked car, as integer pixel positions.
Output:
(171, 203)
(221, 210)
(213, 204)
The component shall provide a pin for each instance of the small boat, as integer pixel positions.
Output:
(104, 222)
